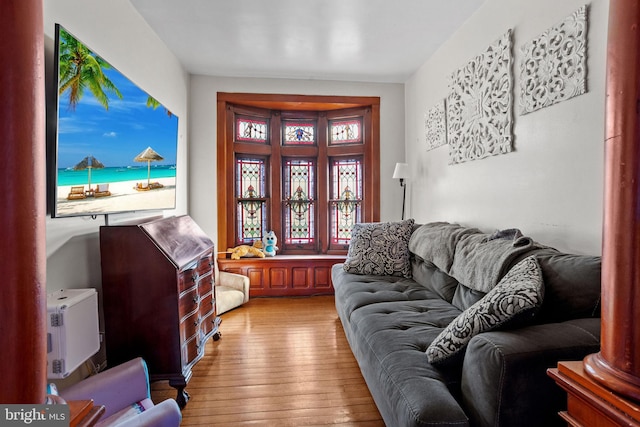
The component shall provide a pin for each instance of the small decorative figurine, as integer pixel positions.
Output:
(269, 242)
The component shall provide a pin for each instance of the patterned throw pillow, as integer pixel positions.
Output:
(380, 248)
(518, 294)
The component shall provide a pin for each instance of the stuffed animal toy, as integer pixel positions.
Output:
(269, 244)
(246, 251)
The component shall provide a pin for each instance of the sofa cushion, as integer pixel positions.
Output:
(518, 294)
(466, 297)
(358, 290)
(431, 277)
(380, 248)
(572, 286)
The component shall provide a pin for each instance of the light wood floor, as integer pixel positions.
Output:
(280, 362)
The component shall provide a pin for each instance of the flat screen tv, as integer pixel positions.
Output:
(115, 145)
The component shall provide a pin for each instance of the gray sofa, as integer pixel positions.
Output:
(402, 289)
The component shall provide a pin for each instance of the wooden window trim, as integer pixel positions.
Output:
(225, 153)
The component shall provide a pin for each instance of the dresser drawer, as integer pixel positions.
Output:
(188, 301)
(206, 305)
(191, 350)
(189, 326)
(205, 265)
(209, 325)
(205, 285)
(187, 278)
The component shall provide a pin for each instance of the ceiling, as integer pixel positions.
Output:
(348, 40)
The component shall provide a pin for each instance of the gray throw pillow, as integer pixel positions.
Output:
(380, 248)
(518, 294)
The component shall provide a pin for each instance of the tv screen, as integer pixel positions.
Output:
(116, 146)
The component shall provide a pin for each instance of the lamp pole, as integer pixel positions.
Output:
(404, 195)
(401, 172)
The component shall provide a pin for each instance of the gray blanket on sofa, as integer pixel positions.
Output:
(475, 259)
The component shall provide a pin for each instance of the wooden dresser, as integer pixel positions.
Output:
(158, 298)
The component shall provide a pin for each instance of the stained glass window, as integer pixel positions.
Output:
(251, 130)
(312, 162)
(346, 131)
(299, 197)
(251, 201)
(299, 133)
(346, 198)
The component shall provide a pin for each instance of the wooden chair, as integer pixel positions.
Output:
(102, 190)
(76, 193)
(142, 186)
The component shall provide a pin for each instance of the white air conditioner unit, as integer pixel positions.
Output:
(72, 330)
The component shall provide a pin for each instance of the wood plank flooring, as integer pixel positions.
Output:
(280, 362)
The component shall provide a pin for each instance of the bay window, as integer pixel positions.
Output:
(304, 167)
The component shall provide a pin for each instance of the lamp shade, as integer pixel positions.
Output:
(401, 171)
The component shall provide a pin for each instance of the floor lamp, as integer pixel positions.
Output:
(401, 172)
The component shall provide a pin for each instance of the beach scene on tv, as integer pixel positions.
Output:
(116, 145)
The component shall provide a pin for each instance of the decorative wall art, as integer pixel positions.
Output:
(554, 65)
(435, 126)
(479, 105)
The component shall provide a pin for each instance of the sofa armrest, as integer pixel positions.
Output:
(235, 281)
(504, 379)
(114, 388)
(164, 414)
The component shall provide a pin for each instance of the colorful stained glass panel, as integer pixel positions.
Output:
(250, 177)
(251, 130)
(346, 131)
(251, 218)
(299, 198)
(299, 133)
(346, 198)
(251, 201)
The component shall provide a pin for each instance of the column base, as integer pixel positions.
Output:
(623, 383)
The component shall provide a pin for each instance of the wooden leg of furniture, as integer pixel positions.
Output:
(183, 397)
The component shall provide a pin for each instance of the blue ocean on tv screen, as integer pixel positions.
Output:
(115, 174)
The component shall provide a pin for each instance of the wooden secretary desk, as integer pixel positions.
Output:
(158, 296)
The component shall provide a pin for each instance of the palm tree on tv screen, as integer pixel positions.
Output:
(154, 103)
(80, 69)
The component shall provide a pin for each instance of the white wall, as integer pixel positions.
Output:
(116, 31)
(551, 185)
(202, 131)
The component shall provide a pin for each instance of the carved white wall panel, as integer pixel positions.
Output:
(554, 65)
(480, 105)
(435, 126)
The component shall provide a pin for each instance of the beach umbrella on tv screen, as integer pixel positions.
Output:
(148, 155)
(88, 163)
